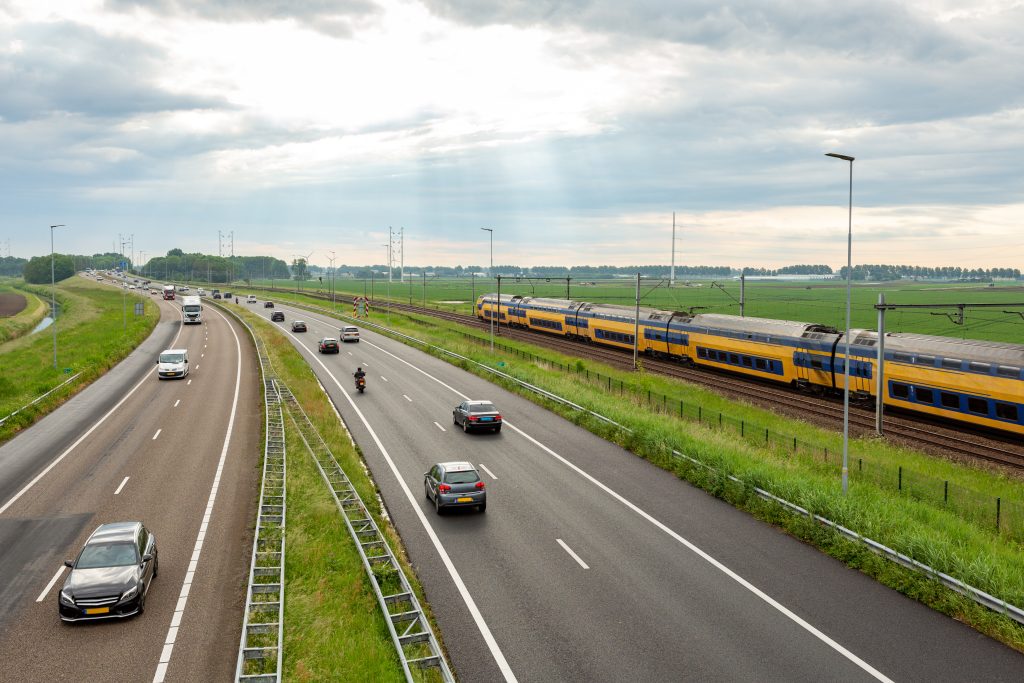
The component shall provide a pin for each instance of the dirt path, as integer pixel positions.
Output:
(11, 304)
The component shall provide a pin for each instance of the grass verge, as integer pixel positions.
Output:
(920, 529)
(334, 629)
(26, 319)
(91, 339)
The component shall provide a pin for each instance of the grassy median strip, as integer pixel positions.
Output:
(964, 549)
(334, 629)
(91, 339)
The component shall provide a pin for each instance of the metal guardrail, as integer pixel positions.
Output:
(262, 639)
(976, 594)
(40, 398)
(414, 640)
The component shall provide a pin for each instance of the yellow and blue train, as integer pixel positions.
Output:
(961, 379)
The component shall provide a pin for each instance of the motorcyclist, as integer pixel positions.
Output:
(236, 299)
(359, 374)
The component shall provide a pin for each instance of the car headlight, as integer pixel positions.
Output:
(66, 598)
(130, 593)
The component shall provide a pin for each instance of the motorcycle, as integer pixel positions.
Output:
(360, 384)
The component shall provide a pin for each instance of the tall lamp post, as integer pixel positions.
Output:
(334, 302)
(53, 295)
(490, 272)
(846, 362)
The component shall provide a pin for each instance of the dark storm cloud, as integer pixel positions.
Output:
(333, 17)
(66, 67)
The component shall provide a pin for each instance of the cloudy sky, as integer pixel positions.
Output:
(574, 129)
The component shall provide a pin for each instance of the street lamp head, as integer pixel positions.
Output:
(488, 229)
(57, 226)
(839, 156)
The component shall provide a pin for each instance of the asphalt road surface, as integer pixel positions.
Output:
(133, 447)
(590, 564)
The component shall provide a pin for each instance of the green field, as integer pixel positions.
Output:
(817, 302)
(91, 338)
(25, 320)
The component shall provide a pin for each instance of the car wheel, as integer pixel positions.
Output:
(437, 505)
(156, 566)
(497, 429)
(426, 490)
(142, 599)
(465, 426)
(482, 507)
(455, 420)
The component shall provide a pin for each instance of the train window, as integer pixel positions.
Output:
(902, 357)
(952, 363)
(702, 352)
(980, 367)
(1006, 411)
(734, 359)
(761, 364)
(1008, 371)
(900, 390)
(816, 363)
(925, 360)
(950, 400)
(977, 405)
(748, 362)
(924, 395)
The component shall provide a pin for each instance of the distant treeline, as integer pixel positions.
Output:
(180, 266)
(885, 272)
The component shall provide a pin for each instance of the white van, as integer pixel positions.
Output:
(172, 363)
(251, 299)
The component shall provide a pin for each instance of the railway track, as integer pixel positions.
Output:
(827, 412)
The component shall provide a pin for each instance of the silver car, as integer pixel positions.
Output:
(455, 484)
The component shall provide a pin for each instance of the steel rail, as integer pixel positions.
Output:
(410, 630)
(261, 645)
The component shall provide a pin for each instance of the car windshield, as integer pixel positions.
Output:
(172, 358)
(191, 308)
(107, 555)
(482, 408)
(329, 341)
(467, 477)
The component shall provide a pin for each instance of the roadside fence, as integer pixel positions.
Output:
(40, 398)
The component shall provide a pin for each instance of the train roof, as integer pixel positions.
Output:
(765, 326)
(1003, 353)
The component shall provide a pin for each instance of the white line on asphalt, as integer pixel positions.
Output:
(197, 366)
(407, 398)
(572, 554)
(177, 402)
(349, 352)
(489, 473)
(82, 438)
(157, 434)
(384, 378)
(202, 355)
(440, 427)
(188, 383)
(460, 585)
(186, 586)
(42, 596)
(122, 485)
(701, 553)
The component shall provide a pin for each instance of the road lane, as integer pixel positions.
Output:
(610, 622)
(169, 482)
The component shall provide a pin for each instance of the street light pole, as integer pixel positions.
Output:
(53, 296)
(490, 273)
(846, 362)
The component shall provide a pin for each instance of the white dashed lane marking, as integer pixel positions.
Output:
(440, 427)
(489, 473)
(571, 553)
(122, 485)
(42, 596)
(177, 402)
(384, 378)
(407, 398)
(157, 434)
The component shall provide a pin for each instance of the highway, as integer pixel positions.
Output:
(179, 455)
(591, 564)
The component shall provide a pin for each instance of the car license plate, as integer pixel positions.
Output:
(98, 610)
(464, 500)
(486, 419)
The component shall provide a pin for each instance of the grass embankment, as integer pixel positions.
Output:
(25, 320)
(930, 533)
(333, 628)
(91, 339)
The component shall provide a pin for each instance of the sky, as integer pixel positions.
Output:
(573, 129)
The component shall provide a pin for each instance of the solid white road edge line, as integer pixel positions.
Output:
(125, 481)
(474, 611)
(440, 427)
(186, 585)
(489, 473)
(572, 554)
(83, 437)
(702, 554)
(42, 596)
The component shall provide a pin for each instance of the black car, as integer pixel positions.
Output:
(477, 415)
(298, 326)
(268, 304)
(455, 484)
(216, 295)
(328, 345)
(227, 295)
(112, 574)
(277, 316)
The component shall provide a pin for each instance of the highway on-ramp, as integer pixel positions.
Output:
(591, 564)
(179, 455)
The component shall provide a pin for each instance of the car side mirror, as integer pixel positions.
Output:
(69, 563)
(147, 557)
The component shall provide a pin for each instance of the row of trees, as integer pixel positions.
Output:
(893, 272)
(178, 265)
(11, 266)
(37, 269)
